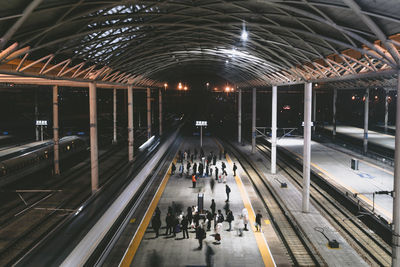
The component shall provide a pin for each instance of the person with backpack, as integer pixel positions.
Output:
(234, 169)
(201, 235)
(228, 191)
(173, 169)
(184, 226)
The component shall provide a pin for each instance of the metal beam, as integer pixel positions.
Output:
(114, 116)
(240, 116)
(396, 185)
(148, 113)
(366, 112)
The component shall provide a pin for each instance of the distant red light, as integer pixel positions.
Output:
(286, 107)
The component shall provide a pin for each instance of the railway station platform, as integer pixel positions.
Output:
(334, 165)
(307, 223)
(251, 249)
(378, 139)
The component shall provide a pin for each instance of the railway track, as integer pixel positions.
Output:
(369, 245)
(27, 229)
(300, 250)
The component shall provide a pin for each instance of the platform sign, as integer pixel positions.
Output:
(41, 123)
(201, 123)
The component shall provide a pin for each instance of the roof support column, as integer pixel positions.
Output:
(334, 114)
(36, 115)
(396, 186)
(114, 116)
(130, 123)
(148, 113)
(55, 131)
(253, 121)
(94, 157)
(314, 118)
(273, 128)
(307, 147)
(240, 116)
(386, 109)
(366, 111)
(160, 110)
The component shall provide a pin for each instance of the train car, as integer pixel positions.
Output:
(17, 163)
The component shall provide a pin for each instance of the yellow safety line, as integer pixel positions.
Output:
(260, 239)
(363, 197)
(134, 245)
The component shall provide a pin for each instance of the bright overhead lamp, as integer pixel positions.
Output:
(244, 35)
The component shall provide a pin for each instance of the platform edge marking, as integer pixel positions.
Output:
(137, 238)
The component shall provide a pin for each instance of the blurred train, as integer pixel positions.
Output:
(20, 161)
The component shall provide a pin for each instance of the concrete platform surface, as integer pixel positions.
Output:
(335, 166)
(378, 139)
(234, 250)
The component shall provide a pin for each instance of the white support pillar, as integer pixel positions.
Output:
(396, 186)
(314, 114)
(94, 157)
(386, 109)
(334, 113)
(114, 116)
(148, 113)
(160, 110)
(273, 128)
(130, 123)
(307, 147)
(240, 116)
(253, 128)
(36, 115)
(366, 112)
(56, 138)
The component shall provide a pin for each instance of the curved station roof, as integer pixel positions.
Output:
(249, 42)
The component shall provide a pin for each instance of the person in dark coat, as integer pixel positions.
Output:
(195, 168)
(216, 173)
(184, 226)
(196, 219)
(201, 169)
(175, 224)
(228, 191)
(212, 184)
(212, 207)
(209, 217)
(188, 167)
(156, 224)
(201, 234)
(209, 255)
(169, 221)
(258, 221)
(215, 160)
(234, 169)
(229, 219)
(173, 169)
(189, 214)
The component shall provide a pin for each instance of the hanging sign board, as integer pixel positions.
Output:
(201, 123)
(41, 123)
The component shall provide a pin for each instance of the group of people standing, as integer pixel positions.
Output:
(201, 221)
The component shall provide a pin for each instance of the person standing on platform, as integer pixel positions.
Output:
(173, 169)
(216, 173)
(214, 160)
(201, 234)
(209, 216)
(258, 221)
(229, 219)
(184, 227)
(212, 207)
(195, 168)
(211, 172)
(228, 191)
(245, 216)
(209, 255)
(181, 169)
(212, 184)
(188, 168)
(234, 169)
(185, 155)
(189, 214)
(169, 222)
(156, 223)
(194, 180)
(196, 219)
